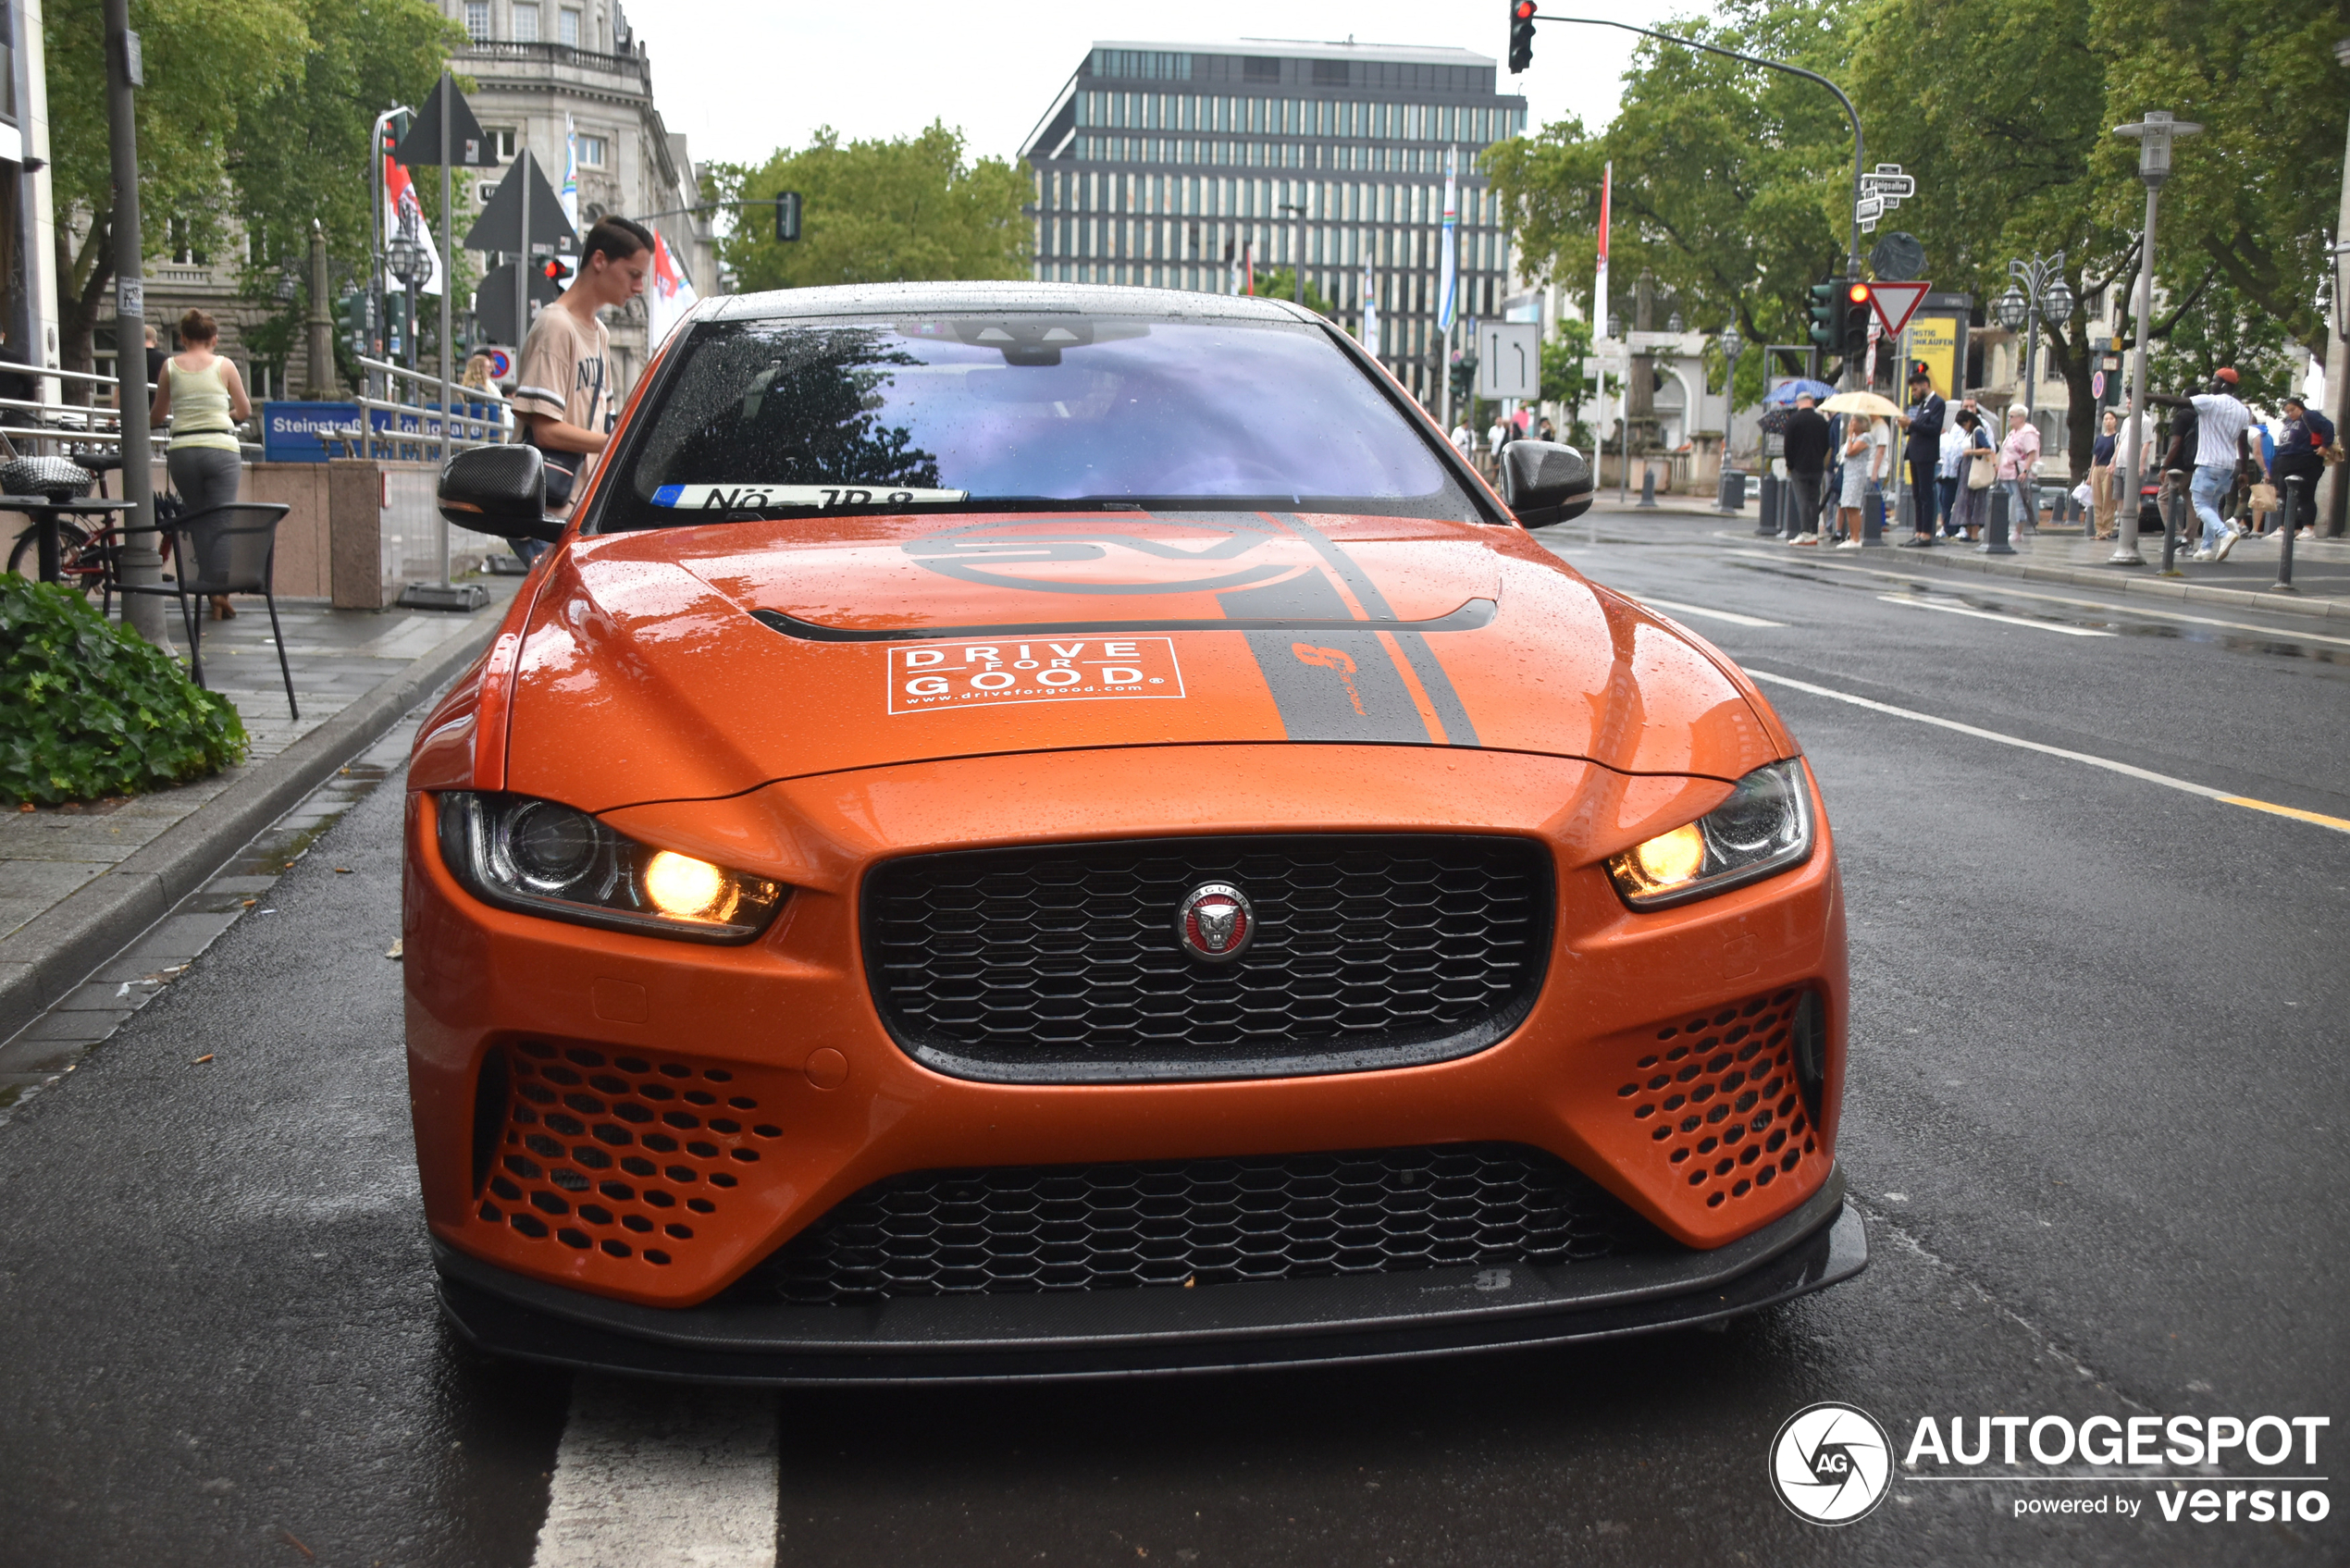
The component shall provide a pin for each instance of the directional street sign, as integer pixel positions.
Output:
(1896, 302)
(1867, 209)
(1509, 359)
(1888, 181)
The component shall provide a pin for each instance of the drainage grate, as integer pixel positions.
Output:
(1023, 1229)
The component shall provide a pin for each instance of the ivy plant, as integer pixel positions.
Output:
(89, 709)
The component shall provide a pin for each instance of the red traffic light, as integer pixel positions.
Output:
(1523, 9)
(1859, 294)
(554, 271)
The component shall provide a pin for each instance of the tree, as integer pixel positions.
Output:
(1562, 378)
(208, 62)
(875, 212)
(301, 152)
(1283, 285)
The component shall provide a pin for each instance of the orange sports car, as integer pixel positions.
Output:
(1032, 831)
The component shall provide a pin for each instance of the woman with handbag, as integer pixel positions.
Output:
(2301, 455)
(1975, 475)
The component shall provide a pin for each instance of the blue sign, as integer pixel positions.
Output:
(300, 432)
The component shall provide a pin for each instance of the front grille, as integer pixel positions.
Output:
(1061, 963)
(1025, 1229)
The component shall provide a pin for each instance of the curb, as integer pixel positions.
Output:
(57, 949)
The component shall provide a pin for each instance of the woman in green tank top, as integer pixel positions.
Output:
(203, 398)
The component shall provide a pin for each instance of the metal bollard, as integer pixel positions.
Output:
(2166, 502)
(1774, 507)
(2288, 520)
(1730, 496)
(1872, 517)
(1994, 537)
(1648, 488)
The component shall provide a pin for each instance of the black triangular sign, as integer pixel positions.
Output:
(499, 225)
(421, 146)
(494, 302)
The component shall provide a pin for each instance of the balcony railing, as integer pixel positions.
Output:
(559, 54)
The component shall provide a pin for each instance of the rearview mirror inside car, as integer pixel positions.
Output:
(1545, 482)
(499, 491)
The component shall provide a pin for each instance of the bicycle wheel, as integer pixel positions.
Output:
(80, 566)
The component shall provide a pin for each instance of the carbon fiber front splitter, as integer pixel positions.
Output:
(738, 1338)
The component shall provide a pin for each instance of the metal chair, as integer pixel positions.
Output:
(222, 549)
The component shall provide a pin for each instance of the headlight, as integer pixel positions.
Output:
(543, 858)
(1764, 826)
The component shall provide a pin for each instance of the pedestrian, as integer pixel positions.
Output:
(2220, 419)
(2019, 467)
(2103, 492)
(1495, 440)
(2300, 455)
(203, 398)
(1806, 441)
(1463, 443)
(1975, 471)
(1948, 477)
(1922, 451)
(1549, 432)
(561, 386)
(1866, 448)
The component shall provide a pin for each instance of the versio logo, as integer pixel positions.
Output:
(1831, 1464)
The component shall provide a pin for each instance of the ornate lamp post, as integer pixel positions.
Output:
(2043, 297)
(2154, 135)
(405, 257)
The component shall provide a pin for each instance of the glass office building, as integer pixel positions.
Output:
(1164, 164)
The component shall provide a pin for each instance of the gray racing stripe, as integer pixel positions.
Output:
(1328, 684)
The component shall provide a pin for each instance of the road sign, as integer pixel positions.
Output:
(1509, 359)
(1896, 302)
(1887, 179)
(2096, 387)
(1867, 210)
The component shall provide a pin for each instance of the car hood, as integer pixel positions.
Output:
(704, 660)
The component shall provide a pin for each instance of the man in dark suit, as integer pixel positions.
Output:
(1924, 422)
(1806, 441)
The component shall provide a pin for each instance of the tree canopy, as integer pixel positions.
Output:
(909, 209)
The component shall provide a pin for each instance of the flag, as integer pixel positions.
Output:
(1451, 273)
(404, 215)
(1369, 336)
(669, 294)
(1248, 265)
(571, 173)
(1599, 295)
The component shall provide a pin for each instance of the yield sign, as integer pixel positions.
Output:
(1896, 302)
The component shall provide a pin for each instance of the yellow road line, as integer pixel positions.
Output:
(2339, 824)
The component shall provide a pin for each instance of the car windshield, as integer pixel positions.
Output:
(766, 418)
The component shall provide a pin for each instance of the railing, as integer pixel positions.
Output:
(31, 424)
(424, 443)
(559, 55)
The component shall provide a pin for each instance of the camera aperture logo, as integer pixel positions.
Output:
(1831, 1464)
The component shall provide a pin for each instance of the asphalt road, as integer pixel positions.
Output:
(2095, 1118)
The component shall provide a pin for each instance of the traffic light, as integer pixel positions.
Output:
(554, 271)
(1521, 36)
(1857, 296)
(1823, 313)
(352, 316)
(787, 215)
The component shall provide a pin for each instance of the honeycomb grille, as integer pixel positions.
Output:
(617, 1152)
(1025, 1229)
(1719, 1095)
(1062, 962)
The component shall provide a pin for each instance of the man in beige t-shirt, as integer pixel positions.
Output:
(562, 390)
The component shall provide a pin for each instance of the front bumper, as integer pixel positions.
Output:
(1357, 1318)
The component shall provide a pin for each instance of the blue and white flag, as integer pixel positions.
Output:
(571, 173)
(1452, 275)
(1369, 335)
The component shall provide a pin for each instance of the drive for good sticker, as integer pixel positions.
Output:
(925, 677)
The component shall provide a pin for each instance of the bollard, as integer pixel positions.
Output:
(1648, 488)
(1995, 535)
(2290, 519)
(1872, 517)
(1730, 496)
(2166, 502)
(1774, 508)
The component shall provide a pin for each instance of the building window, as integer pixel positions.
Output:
(477, 19)
(567, 27)
(592, 151)
(526, 22)
(503, 136)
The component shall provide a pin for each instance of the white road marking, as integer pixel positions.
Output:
(1731, 616)
(2339, 824)
(2003, 591)
(658, 1475)
(1916, 602)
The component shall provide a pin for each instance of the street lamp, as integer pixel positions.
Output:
(2154, 135)
(1674, 325)
(405, 257)
(2042, 296)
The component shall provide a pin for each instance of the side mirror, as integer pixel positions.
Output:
(1545, 482)
(499, 490)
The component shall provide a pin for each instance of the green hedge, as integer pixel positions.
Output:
(89, 709)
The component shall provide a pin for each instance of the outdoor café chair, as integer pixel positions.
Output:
(222, 549)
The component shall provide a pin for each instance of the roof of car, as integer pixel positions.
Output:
(1090, 298)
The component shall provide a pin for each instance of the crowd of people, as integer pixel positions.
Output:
(2230, 466)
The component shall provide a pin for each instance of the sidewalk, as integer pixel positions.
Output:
(2320, 567)
(79, 883)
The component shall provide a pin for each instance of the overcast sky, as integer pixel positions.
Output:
(741, 80)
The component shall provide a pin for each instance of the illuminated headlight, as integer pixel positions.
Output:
(543, 858)
(1764, 826)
